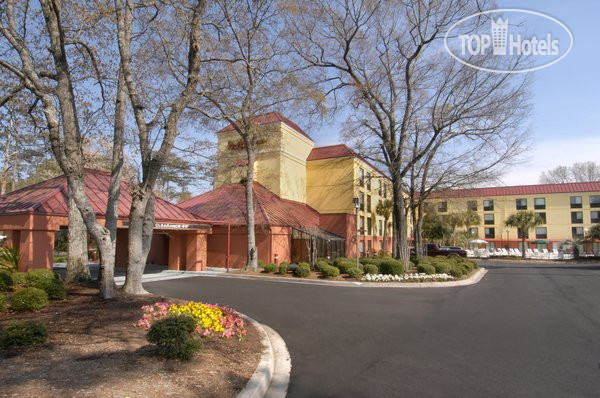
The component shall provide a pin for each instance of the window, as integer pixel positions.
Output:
(488, 219)
(362, 225)
(369, 247)
(577, 232)
(542, 216)
(490, 233)
(369, 226)
(522, 233)
(361, 177)
(594, 201)
(472, 205)
(380, 190)
(369, 203)
(442, 207)
(473, 232)
(576, 202)
(539, 203)
(488, 205)
(380, 228)
(595, 215)
(361, 201)
(368, 181)
(521, 204)
(541, 232)
(362, 248)
(577, 217)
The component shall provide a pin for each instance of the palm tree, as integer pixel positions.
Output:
(384, 209)
(523, 221)
(594, 232)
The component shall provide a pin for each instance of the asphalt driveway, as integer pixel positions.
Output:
(523, 331)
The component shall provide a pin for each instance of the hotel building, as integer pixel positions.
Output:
(568, 211)
(299, 190)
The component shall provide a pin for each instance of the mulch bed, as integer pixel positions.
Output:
(94, 350)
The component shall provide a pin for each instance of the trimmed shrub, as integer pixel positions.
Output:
(391, 267)
(330, 271)
(303, 270)
(371, 269)
(355, 273)
(29, 299)
(174, 337)
(19, 278)
(371, 260)
(25, 333)
(321, 264)
(426, 268)
(261, 263)
(2, 302)
(344, 265)
(6, 281)
(283, 268)
(47, 280)
(325, 260)
(456, 271)
(270, 268)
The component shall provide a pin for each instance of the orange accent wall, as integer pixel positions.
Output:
(342, 224)
(269, 241)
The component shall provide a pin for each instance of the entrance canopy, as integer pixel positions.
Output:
(30, 216)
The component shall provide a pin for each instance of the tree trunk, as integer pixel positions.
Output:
(523, 246)
(107, 276)
(6, 160)
(252, 262)
(385, 243)
(141, 224)
(98, 232)
(401, 237)
(77, 258)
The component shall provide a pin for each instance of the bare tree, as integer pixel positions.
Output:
(386, 58)
(28, 36)
(250, 72)
(577, 172)
(175, 31)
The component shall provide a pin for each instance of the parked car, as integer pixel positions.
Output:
(431, 249)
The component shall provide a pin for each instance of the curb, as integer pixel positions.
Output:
(272, 375)
(476, 277)
(471, 280)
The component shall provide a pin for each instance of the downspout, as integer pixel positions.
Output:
(228, 246)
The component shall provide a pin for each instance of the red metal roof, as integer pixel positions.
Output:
(338, 151)
(272, 117)
(227, 204)
(540, 189)
(50, 198)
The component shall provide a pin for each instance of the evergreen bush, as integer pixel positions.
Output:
(29, 299)
(174, 336)
(303, 270)
(25, 333)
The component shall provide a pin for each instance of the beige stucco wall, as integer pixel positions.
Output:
(280, 160)
(558, 213)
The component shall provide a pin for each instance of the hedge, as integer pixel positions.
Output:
(391, 267)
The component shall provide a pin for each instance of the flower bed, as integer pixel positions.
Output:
(421, 277)
(211, 320)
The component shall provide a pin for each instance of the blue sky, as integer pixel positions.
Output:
(565, 122)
